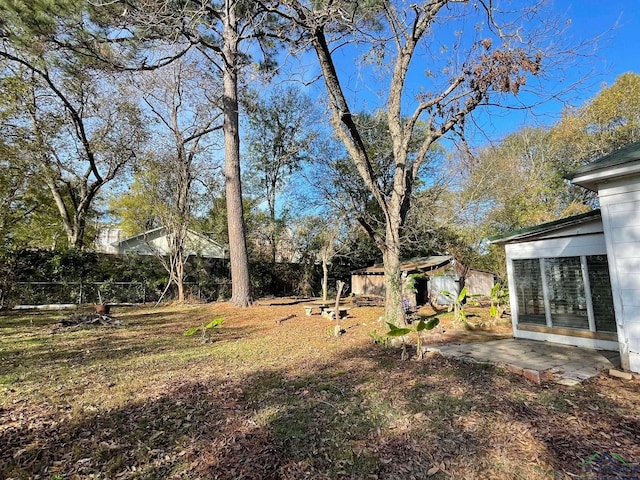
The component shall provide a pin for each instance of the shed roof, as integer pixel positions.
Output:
(418, 263)
(529, 233)
(622, 162)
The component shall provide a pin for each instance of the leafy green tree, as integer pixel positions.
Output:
(137, 209)
(16, 205)
(519, 182)
(279, 139)
(214, 222)
(78, 124)
(515, 184)
(498, 188)
(605, 123)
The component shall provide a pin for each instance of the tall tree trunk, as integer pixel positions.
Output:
(179, 270)
(273, 243)
(240, 286)
(73, 223)
(77, 241)
(394, 308)
(273, 233)
(180, 218)
(325, 278)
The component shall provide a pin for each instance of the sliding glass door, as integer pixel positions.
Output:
(565, 292)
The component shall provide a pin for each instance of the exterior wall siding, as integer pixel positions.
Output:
(592, 244)
(620, 206)
(367, 284)
(479, 283)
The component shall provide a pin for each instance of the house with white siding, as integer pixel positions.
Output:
(157, 241)
(577, 280)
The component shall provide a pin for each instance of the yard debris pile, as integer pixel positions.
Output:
(80, 319)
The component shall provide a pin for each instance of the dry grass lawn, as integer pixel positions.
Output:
(288, 400)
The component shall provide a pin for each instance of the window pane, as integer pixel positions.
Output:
(529, 291)
(601, 293)
(567, 301)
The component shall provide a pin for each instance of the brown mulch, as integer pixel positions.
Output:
(289, 400)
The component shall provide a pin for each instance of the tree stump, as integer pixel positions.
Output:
(102, 308)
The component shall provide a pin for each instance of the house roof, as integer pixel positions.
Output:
(419, 263)
(528, 233)
(160, 232)
(140, 236)
(622, 162)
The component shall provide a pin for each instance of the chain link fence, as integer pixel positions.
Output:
(50, 293)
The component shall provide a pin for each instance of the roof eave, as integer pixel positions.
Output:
(407, 265)
(591, 179)
(545, 228)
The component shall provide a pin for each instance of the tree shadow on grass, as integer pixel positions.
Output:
(567, 424)
(45, 347)
(361, 413)
(269, 424)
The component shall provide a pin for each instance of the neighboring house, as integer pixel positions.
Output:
(155, 242)
(577, 280)
(438, 274)
(107, 236)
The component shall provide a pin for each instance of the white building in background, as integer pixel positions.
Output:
(155, 242)
(108, 235)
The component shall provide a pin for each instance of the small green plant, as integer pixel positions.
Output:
(395, 331)
(410, 282)
(204, 329)
(459, 303)
(379, 339)
(499, 297)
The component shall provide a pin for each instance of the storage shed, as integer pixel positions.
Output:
(577, 280)
(439, 274)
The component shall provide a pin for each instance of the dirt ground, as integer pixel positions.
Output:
(273, 394)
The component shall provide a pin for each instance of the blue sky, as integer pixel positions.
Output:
(612, 27)
(615, 26)
(618, 21)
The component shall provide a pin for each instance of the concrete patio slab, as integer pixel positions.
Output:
(535, 360)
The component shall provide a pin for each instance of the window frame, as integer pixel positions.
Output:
(586, 285)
